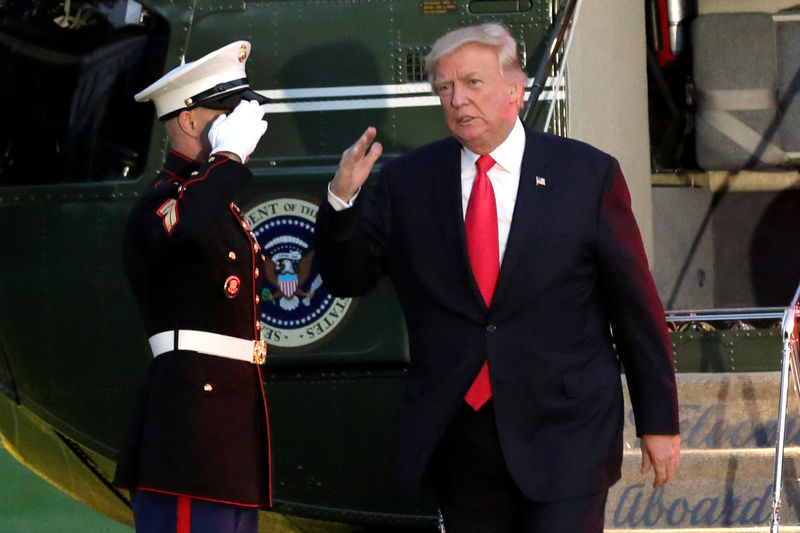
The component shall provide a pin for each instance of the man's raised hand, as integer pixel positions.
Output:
(356, 164)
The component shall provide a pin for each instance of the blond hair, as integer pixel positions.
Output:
(491, 34)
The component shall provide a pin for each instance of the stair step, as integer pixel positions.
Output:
(715, 489)
(760, 529)
(725, 481)
(729, 410)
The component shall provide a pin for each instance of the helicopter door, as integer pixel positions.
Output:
(69, 75)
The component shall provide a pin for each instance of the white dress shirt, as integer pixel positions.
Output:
(504, 176)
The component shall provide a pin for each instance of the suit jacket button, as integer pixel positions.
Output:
(491, 328)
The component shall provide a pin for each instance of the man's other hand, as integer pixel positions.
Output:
(662, 453)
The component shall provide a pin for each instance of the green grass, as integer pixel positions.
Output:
(29, 504)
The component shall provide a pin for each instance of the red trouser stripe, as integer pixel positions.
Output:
(184, 524)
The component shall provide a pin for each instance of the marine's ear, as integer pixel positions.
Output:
(188, 123)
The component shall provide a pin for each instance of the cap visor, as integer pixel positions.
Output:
(229, 101)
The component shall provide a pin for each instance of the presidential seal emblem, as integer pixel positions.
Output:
(296, 310)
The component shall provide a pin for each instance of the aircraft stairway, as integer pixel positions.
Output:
(729, 427)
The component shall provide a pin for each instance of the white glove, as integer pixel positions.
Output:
(239, 131)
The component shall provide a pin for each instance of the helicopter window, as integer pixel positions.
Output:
(415, 67)
(70, 70)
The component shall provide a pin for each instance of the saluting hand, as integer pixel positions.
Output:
(662, 453)
(239, 131)
(355, 165)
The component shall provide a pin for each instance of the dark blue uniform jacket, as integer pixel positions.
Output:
(203, 427)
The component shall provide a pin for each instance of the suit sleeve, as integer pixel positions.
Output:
(636, 313)
(352, 245)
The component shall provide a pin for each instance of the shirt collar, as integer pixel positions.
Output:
(508, 155)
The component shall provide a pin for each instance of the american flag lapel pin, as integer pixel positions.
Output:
(541, 182)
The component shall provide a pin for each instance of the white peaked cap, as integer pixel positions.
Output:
(216, 80)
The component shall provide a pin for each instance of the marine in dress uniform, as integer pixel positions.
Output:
(198, 456)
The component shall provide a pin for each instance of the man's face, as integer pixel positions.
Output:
(480, 107)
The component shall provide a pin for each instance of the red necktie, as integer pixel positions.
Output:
(484, 256)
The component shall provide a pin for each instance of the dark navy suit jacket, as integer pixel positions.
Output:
(574, 270)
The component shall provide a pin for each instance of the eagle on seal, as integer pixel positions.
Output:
(287, 272)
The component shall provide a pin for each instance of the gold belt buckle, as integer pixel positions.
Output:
(259, 352)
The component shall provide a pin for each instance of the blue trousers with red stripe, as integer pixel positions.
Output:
(154, 512)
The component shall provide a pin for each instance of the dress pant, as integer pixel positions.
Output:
(154, 512)
(477, 494)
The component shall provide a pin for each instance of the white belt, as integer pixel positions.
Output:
(209, 343)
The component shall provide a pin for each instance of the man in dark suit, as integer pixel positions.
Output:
(198, 455)
(519, 267)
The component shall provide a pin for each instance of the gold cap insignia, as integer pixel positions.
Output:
(242, 53)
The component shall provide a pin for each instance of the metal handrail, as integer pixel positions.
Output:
(710, 315)
(559, 28)
(789, 365)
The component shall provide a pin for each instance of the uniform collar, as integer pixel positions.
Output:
(177, 164)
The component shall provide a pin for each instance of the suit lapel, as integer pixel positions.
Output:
(524, 223)
(447, 180)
